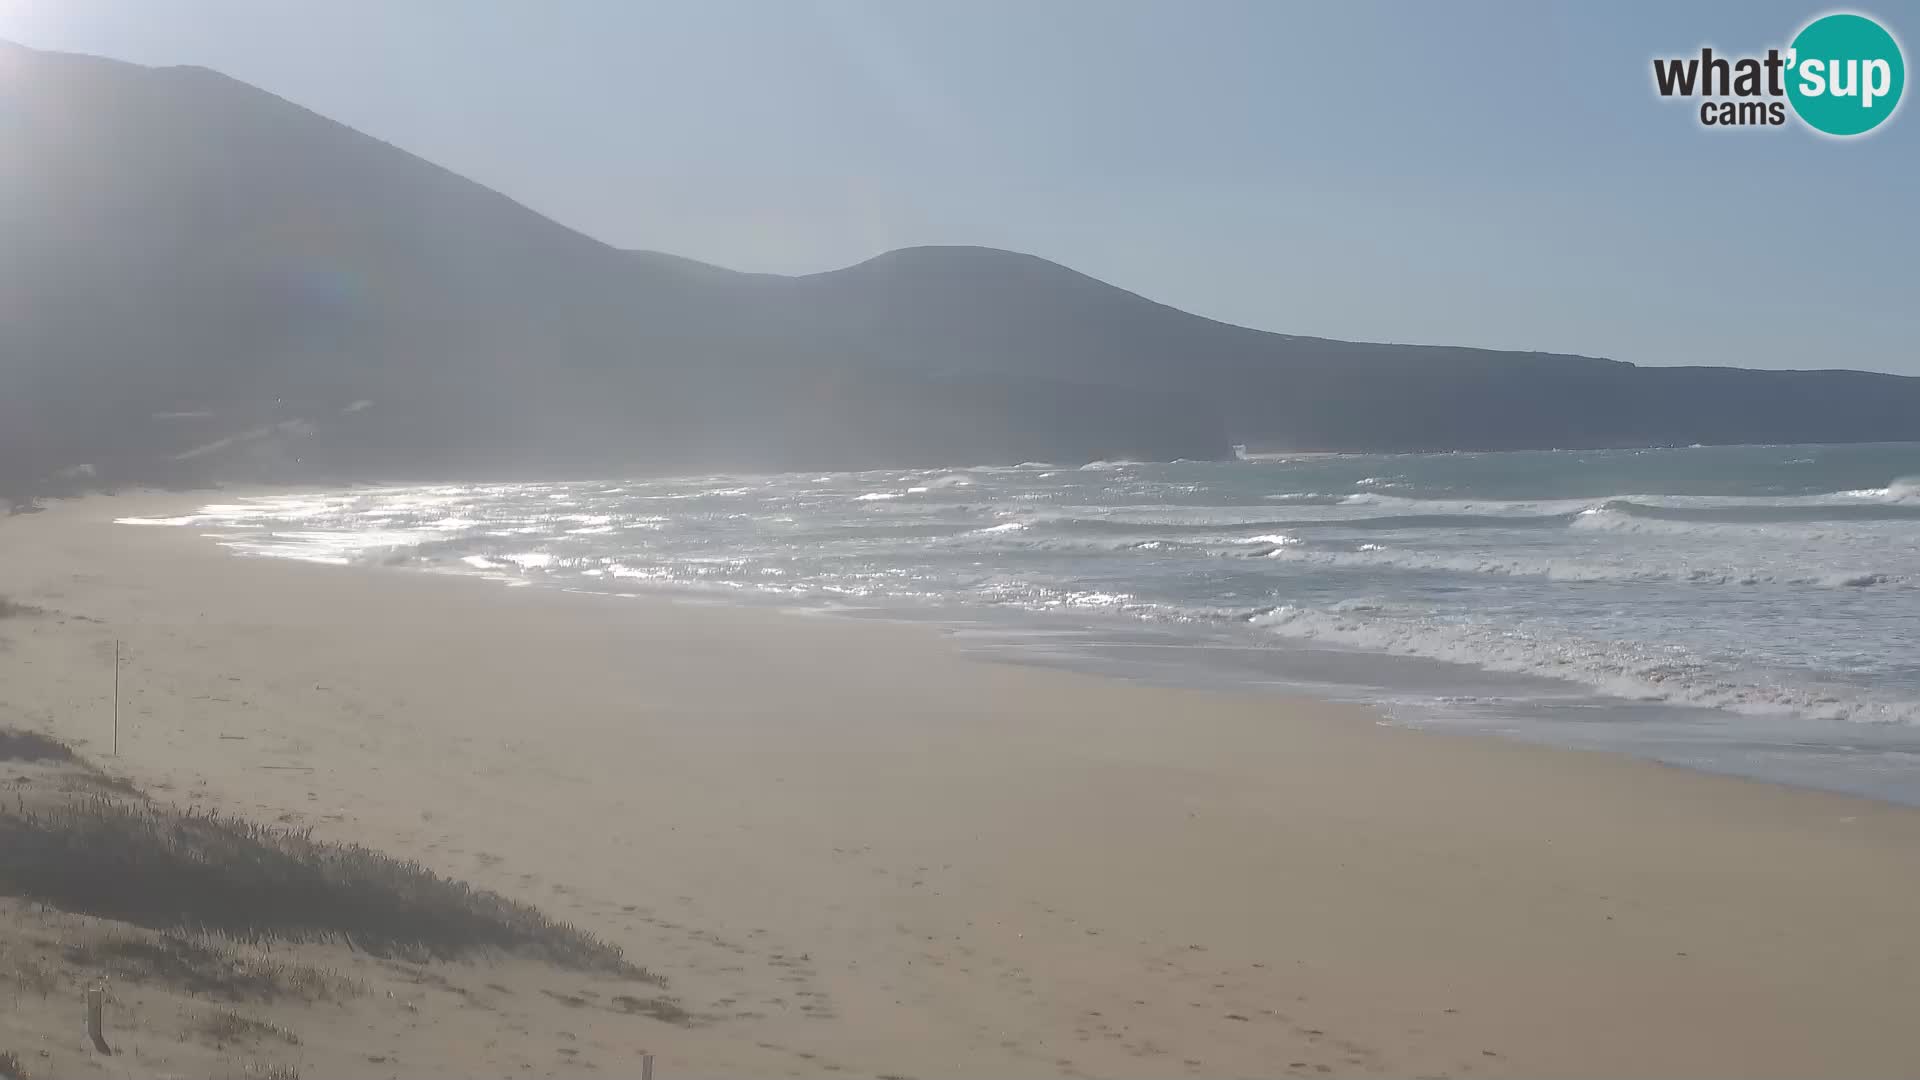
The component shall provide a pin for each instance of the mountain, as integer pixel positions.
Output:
(199, 279)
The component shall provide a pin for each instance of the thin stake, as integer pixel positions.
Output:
(116, 697)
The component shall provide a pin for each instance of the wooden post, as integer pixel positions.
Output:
(116, 697)
(96, 1002)
(646, 1067)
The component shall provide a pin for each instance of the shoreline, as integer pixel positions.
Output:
(1811, 750)
(894, 858)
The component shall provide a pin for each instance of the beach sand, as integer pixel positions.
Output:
(852, 850)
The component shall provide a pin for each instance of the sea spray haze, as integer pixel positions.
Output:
(1754, 608)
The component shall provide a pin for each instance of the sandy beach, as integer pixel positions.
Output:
(853, 851)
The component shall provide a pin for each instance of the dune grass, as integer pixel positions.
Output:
(664, 1009)
(31, 973)
(10, 608)
(17, 745)
(224, 1027)
(209, 967)
(166, 869)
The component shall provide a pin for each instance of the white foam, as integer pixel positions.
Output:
(298, 554)
(1513, 507)
(1622, 669)
(1904, 490)
(1608, 592)
(188, 519)
(1633, 567)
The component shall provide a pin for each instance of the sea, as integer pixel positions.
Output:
(1752, 610)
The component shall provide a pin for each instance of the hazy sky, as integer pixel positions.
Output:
(1482, 174)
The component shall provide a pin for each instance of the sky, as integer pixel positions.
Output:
(1490, 174)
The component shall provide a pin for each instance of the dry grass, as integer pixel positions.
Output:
(16, 745)
(163, 869)
(10, 608)
(81, 775)
(664, 1009)
(225, 1027)
(34, 974)
(208, 966)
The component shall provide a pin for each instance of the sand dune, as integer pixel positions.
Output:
(851, 850)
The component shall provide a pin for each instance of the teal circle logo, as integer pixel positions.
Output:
(1845, 74)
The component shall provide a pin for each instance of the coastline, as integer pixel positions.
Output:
(891, 858)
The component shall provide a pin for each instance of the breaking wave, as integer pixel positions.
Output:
(1624, 669)
(1783, 581)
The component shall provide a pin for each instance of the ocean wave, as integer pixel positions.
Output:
(1007, 542)
(1176, 520)
(1617, 514)
(170, 522)
(1764, 512)
(1739, 524)
(1905, 489)
(1618, 669)
(869, 532)
(1468, 507)
(331, 546)
(1375, 557)
(1307, 497)
(1818, 586)
(1897, 502)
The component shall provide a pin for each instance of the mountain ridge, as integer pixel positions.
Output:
(176, 243)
